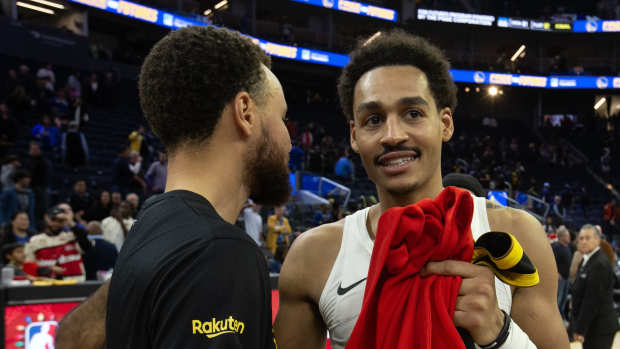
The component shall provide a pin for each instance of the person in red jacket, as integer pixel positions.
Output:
(59, 250)
(398, 96)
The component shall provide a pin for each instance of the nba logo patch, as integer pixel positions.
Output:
(40, 335)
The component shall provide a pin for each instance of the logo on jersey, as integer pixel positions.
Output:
(40, 335)
(216, 327)
(341, 291)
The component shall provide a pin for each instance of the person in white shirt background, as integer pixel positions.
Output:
(253, 222)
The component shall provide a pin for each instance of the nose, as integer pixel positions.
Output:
(394, 134)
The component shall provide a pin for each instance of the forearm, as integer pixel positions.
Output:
(84, 326)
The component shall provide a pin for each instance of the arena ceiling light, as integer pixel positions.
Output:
(518, 53)
(220, 4)
(35, 8)
(600, 103)
(49, 3)
(493, 91)
(208, 12)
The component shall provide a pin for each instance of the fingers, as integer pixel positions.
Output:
(452, 268)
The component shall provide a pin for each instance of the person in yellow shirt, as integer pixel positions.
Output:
(135, 139)
(278, 230)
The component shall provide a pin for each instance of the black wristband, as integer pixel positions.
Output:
(502, 336)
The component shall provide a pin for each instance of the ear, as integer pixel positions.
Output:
(447, 124)
(352, 138)
(244, 114)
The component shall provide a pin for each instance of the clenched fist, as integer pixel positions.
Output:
(476, 309)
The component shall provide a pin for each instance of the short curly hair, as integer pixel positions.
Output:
(397, 47)
(190, 75)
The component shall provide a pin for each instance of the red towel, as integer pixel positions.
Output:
(401, 309)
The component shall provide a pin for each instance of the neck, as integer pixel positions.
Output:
(19, 232)
(215, 175)
(429, 190)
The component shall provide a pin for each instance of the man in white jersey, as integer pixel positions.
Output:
(398, 96)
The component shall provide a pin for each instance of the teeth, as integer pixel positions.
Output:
(398, 162)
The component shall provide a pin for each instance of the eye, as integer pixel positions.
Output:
(373, 120)
(413, 114)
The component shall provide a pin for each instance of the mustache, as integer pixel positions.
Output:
(390, 149)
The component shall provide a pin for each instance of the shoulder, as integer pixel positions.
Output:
(310, 259)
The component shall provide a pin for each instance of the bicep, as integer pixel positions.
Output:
(537, 305)
(84, 326)
(298, 324)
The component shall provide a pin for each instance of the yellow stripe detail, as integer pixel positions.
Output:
(512, 257)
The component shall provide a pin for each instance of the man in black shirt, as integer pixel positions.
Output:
(563, 257)
(186, 277)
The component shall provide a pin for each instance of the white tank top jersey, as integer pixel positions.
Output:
(341, 300)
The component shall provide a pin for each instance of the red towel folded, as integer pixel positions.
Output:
(401, 309)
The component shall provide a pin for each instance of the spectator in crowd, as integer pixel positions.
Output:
(18, 198)
(102, 256)
(278, 230)
(25, 79)
(135, 139)
(557, 209)
(14, 257)
(80, 200)
(10, 84)
(344, 170)
(74, 148)
(116, 226)
(17, 230)
(253, 222)
(47, 74)
(610, 217)
(101, 208)
(549, 227)
(134, 200)
(74, 85)
(77, 217)
(46, 133)
(307, 139)
(41, 171)
(8, 127)
(60, 106)
(10, 165)
(61, 247)
(141, 142)
(122, 177)
(135, 166)
(157, 174)
(323, 215)
(116, 199)
(92, 92)
(296, 158)
(275, 263)
(594, 322)
(563, 256)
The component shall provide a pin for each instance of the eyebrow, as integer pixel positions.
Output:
(403, 101)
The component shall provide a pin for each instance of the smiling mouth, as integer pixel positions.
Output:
(398, 161)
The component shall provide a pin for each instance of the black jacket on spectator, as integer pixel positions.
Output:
(102, 256)
(80, 203)
(97, 212)
(563, 257)
(75, 150)
(593, 304)
(8, 129)
(40, 170)
(122, 176)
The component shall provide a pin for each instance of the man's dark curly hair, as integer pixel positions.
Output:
(398, 47)
(190, 75)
